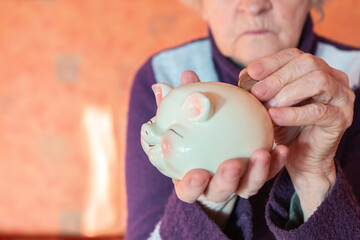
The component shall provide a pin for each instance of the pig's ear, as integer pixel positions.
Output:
(197, 107)
(160, 91)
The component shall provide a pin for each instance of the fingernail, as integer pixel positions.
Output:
(197, 181)
(275, 114)
(231, 174)
(259, 89)
(256, 68)
(271, 103)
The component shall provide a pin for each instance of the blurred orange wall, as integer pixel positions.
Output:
(66, 67)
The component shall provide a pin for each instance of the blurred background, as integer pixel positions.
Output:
(66, 68)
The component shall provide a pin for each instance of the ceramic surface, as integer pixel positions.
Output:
(200, 125)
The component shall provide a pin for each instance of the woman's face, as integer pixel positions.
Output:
(246, 30)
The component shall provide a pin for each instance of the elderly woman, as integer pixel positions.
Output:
(308, 188)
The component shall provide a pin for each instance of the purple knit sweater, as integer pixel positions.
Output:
(151, 196)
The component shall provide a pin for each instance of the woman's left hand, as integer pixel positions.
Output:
(302, 90)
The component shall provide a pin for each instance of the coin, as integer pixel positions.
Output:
(246, 82)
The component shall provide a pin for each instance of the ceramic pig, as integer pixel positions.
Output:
(200, 125)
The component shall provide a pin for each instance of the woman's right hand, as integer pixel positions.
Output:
(231, 177)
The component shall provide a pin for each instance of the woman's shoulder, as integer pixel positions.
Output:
(195, 45)
(168, 65)
(342, 57)
(336, 44)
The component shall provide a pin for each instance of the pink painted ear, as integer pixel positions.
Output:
(160, 90)
(197, 107)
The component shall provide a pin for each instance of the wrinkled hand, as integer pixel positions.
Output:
(303, 91)
(231, 177)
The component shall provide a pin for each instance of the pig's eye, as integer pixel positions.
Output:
(176, 132)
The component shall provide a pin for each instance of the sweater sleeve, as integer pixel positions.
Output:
(152, 204)
(338, 216)
(187, 221)
(147, 189)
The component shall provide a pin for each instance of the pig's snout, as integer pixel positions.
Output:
(150, 141)
(150, 135)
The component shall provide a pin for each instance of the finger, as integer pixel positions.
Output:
(225, 181)
(315, 114)
(341, 76)
(256, 174)
(286, 135)
(317, 85)
(192, 185)
(189, 77)
(262, 68)
(278, 159)
(292, 71)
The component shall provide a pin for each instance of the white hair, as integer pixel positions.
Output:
(318, 5)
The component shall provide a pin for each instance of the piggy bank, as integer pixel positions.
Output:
(200, 125)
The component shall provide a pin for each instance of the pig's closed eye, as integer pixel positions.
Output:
(176, 132)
